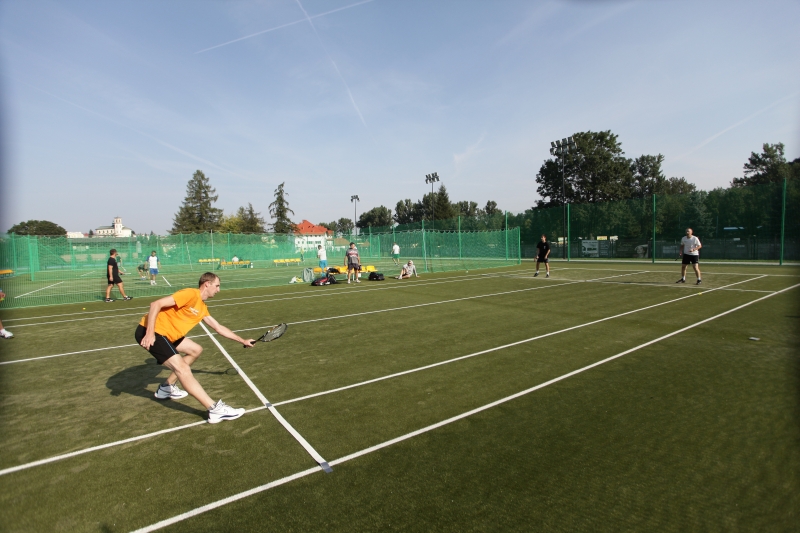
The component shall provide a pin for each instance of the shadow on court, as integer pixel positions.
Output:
(136, 379)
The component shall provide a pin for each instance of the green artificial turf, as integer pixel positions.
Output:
(698, 432)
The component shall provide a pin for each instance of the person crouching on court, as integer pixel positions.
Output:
(407, 270)
(162, 332)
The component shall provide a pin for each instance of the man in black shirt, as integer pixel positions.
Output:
(112, 273)
(542, 254)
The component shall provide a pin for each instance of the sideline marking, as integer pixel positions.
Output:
(426, 429)
(37, 290)
(303, 442)
(141, 437)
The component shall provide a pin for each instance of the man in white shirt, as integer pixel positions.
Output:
(690, 250)
(396, 254)
(154, 265)
(322, 255)
(408, 269)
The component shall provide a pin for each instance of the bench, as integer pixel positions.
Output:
(208, 260)
(6, 273)
(286, 262)
(342, 270)
(234, 264)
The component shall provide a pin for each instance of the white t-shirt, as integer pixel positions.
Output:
(410, 269)
(322, 254)
(688, 243)
(234, 259)
(153, 260)
(395, 249)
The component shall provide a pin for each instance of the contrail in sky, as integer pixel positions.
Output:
(335, 66)
(156, 139)
(729, 128)
(283, 25)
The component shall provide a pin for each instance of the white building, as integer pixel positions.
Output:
(76, 235)
(115, 230)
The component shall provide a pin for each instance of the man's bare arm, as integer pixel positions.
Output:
(227, 333)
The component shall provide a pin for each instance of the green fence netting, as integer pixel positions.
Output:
(743, 224)
(37, 270)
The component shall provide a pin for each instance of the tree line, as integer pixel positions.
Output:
(598, 171)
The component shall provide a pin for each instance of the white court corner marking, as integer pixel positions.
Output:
(352, 386)
(303, 442)
(365, 451)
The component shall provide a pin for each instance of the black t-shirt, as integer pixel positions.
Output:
(543, 247)
(114, 268)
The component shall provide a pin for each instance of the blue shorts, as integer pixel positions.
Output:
(153, 271)
(323, 265)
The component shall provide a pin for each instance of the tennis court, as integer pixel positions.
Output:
(603, 398)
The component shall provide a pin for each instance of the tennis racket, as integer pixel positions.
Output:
(273, 333)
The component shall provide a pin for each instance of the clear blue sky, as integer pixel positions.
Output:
(109, 107)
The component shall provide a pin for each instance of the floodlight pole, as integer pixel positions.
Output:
(432, 178)
(561, 149)
(354, 200)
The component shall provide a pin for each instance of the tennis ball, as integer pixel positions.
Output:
(84, 309)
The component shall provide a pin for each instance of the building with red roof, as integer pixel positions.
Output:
(309, 236)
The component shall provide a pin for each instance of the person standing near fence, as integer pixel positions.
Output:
(543, 255)
(322, 255)
(112, 273)
(154, 265)
(690, 250)
(396, 254)
(4, 333)
(162, 332)
(353, 262)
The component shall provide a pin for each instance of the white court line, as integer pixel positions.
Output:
(268, 299)
(141, 437)
(321, 319)
(167, 282)
(37, 290)
(298, 437)
(674, 286)
(386, 444)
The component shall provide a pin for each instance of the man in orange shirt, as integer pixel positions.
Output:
(163, 331)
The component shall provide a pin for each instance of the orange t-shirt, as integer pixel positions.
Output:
(176, 321)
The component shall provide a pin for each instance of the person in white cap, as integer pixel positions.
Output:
(408, 269)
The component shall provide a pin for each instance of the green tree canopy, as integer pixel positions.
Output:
(375, 217)
(344, 226)
(197, 214)
(279, 210)
(245, 220)
(407, 212)
(37, 227)
(769, 166)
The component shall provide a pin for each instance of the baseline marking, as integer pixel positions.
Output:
(385, 444)
(141, 437)
(303, 442)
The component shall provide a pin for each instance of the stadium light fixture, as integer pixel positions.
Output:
(432, 178)
(561, 149)
(354, 200)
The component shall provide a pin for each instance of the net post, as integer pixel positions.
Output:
(569, 258)
(653, 251)
(783, 219)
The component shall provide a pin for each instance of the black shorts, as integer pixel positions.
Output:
(114, 281)
(542, 260)
(690, 259)
(353, 266)
(162, 349)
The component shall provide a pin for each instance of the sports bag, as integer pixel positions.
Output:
(320, 281)
(376, 276)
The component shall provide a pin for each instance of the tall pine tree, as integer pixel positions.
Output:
(197, 214)
(279, 210)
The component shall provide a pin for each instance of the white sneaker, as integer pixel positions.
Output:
(348, 281)
(358, 281)
(4, 333)
(170, 392)
(221, 411)
(548, 275)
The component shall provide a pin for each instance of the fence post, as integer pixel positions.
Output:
(519, 246)
(783, 218)
(506, 235)
(14, 252)
(424, 255)
(33, 256)
(653, 251)
(459, 238)
(569, 258)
